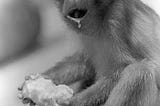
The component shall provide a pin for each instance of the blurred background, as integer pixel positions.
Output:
(21, 22)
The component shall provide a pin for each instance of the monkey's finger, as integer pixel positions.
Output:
(26, 101)
(20, 88)
(45, 76)
(32, 103)
(27, 77)
(32, 76)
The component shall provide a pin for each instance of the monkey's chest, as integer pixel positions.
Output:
(102, 65)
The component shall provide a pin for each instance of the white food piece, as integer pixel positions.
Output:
(44, 92)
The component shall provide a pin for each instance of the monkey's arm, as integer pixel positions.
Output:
(96, 94)
(70, 70)
(137, 87)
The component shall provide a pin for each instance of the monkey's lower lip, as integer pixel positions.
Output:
(73, 19)
(78, 21)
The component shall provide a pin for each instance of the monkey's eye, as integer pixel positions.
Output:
(77, 13)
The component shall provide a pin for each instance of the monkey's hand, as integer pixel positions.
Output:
(36, 90)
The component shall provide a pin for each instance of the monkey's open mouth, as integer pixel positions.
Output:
(77, 13)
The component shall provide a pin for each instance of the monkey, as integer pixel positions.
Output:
(119, 62)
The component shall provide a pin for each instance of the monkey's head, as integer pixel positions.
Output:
(85, 16)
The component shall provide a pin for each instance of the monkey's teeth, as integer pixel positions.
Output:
(78, 21)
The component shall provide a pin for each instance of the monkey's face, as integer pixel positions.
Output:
(84, 16)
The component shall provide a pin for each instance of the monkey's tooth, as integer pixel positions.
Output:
(79, 24)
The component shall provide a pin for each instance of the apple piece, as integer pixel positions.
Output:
(44, 92)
